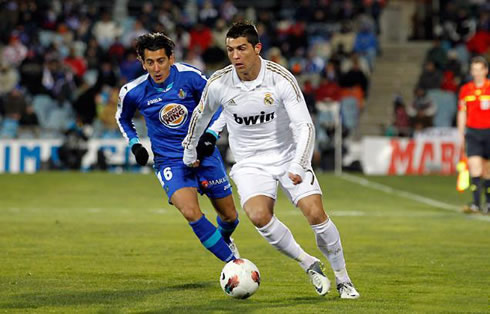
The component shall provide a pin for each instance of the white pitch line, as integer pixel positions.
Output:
(408, 195)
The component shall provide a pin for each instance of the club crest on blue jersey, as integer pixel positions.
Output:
(182, 93)
(173, 115)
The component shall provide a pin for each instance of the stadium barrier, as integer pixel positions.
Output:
(435, 151)
(29, 156)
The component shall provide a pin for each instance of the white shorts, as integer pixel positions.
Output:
(252, 180)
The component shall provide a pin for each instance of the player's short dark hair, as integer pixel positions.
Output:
(481, 60)
(153, 42)
(244, 29)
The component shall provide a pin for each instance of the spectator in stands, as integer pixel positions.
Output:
(116, 50)
(219, 34)
(15, 52)
(275, 55)
(328, 90)
(355, 77)
(345, 37)
(93, 54)
(421, 111)
(201, 37)
(9, 78)
(31, 72)
(430, 78)
(479, 43)
(228, 10)
(208, 13)
(137, 30)
(76, 63)
(62, 49)
(401, 123)
(130, 68)
(106, 31)
(449, 82)
(107, 106)
(453, 63)
(437, 54)
(366, 43)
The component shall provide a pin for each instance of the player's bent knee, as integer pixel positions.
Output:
(259, 218)
(191, 213)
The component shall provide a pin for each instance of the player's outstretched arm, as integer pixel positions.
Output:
(199, 122)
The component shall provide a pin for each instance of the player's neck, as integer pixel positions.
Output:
(480, 83)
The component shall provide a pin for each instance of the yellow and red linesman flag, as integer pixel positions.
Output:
(463, 181)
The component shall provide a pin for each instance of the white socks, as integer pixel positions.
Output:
(328, 241)
(280, 237)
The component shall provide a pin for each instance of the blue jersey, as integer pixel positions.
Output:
(166, 107)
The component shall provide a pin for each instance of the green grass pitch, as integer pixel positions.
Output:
(110, 243)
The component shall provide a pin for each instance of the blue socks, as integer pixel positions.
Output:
(212, 239)
(226, 228)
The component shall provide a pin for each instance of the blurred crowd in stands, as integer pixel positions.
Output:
(463, 32)
(62, 62)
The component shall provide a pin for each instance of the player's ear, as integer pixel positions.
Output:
(258, 48)
(142, 63)
(172, 59)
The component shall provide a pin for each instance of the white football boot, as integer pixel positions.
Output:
(347, 291)
(318, 278)
(234, 248)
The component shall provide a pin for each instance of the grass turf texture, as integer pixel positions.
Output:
(111, 243)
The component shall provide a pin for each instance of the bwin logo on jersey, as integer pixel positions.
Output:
(260, 118)
(152, 101)
(173, 115)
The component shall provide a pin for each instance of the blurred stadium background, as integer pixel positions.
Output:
(380, 79)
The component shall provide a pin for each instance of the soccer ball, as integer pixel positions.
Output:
(240, 278)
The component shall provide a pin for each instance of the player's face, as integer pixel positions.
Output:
(244, 57)
(478, 71)
(157, 63)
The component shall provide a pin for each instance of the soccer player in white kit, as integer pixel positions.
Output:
(271, 136)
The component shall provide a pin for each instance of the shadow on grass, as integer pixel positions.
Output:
(229, 305)
(103, 297)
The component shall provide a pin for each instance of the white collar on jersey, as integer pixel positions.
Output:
(250, 85)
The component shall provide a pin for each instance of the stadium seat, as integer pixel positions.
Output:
(349, 109)
(446, 107)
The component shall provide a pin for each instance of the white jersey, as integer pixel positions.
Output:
(267, 118)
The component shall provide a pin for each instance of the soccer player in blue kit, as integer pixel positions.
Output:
(166, 97)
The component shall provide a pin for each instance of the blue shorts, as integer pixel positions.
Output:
(209, 178)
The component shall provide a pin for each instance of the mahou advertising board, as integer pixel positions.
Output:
(435, 151)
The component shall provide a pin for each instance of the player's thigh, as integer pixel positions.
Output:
(185, 199)
(212, 178)
(174, 176)
(309, 186)
(252, 181)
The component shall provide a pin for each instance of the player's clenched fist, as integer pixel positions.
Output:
(140, 153)
(206, 144)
